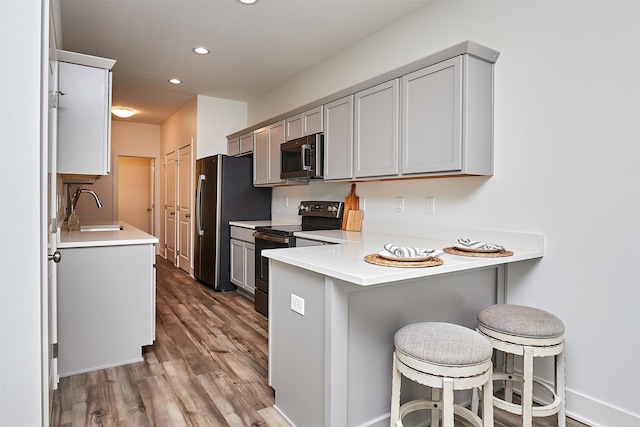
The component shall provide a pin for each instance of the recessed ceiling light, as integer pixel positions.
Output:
(248, 1)
(175, 81)
(201, 50)
(123, 112)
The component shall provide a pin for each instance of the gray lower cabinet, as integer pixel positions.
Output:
(447, 118)
(106, 306)
(266, 154)
(338, 139)
(376, 131)
(243, 259)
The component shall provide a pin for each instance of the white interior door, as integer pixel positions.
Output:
(184, 208)
(170, 207)
(50, 208)
(135, 192)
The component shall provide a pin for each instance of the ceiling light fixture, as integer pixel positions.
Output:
(123, 112)
(201, 50)
(248, 1)
(175, 81)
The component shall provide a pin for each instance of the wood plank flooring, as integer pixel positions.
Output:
(207, 367)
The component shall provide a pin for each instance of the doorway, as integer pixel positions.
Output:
(136, 191)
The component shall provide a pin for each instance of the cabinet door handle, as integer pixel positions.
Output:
(55, 257)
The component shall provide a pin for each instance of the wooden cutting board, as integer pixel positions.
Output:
(354, 220)
(351, 203)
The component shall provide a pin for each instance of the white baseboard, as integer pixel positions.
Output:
(598, 414)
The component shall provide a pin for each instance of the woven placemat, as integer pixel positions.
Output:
(378, 260)
(455, 251)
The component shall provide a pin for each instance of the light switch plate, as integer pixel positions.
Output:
(430, 205)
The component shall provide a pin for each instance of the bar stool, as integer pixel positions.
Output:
(527, 332)
(446, 357)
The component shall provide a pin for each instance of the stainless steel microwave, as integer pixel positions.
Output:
(302, 158)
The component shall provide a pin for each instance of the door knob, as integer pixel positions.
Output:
(187, 215)
(56, 257)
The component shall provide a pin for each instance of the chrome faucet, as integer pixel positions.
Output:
(77, 194)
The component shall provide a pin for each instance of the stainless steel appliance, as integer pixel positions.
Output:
(302, 158)
(315, 216)
(224, 193)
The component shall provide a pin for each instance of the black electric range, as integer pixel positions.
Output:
(316, 215)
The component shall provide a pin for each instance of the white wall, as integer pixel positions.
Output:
(567, 164)
(127, 139)
(218, 118)
(21, 217)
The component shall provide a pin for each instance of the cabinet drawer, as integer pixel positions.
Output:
(241, 233)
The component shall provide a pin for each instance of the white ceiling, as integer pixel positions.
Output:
(253, 48)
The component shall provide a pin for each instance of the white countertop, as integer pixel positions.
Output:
(84, 239)
(345, 261)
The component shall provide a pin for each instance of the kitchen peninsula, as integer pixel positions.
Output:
(333, 315)
(106, 296)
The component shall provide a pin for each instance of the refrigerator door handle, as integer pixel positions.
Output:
(199, 205)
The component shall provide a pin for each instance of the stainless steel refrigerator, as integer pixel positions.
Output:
(224, 192)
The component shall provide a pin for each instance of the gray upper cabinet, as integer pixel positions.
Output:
(312, 121)
(376, 131)
(266, 154)
(84, 118)
(233, 146)
(246, 143)
(304, 124)
(294, 127)
(447, 119)
(432, 117)
(240, 145)
(338, 139)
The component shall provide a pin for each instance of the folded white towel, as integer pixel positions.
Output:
(409, 252)
(472, 244)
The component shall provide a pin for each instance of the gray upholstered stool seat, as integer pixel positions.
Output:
(445, 357)
(528, 332)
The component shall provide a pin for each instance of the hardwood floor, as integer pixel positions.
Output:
(207, 367)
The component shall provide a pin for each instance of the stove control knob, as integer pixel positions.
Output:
(304, 208)
(332, 208)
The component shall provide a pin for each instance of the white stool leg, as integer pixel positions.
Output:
(560, 389)
(474, 400)
(527, 387)
(487, 404)
(508, 385)
(447, 402)
(435, 413)
(395, 393)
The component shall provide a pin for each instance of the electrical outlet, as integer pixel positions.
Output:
(286, 201)
(399, 204)
(297, 304)
(430, 205)
(362, 204)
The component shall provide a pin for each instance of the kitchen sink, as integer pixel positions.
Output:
(108, 227)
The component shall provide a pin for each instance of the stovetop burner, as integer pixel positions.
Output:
(316, 215)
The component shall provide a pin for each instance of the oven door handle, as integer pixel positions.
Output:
(270, 238)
